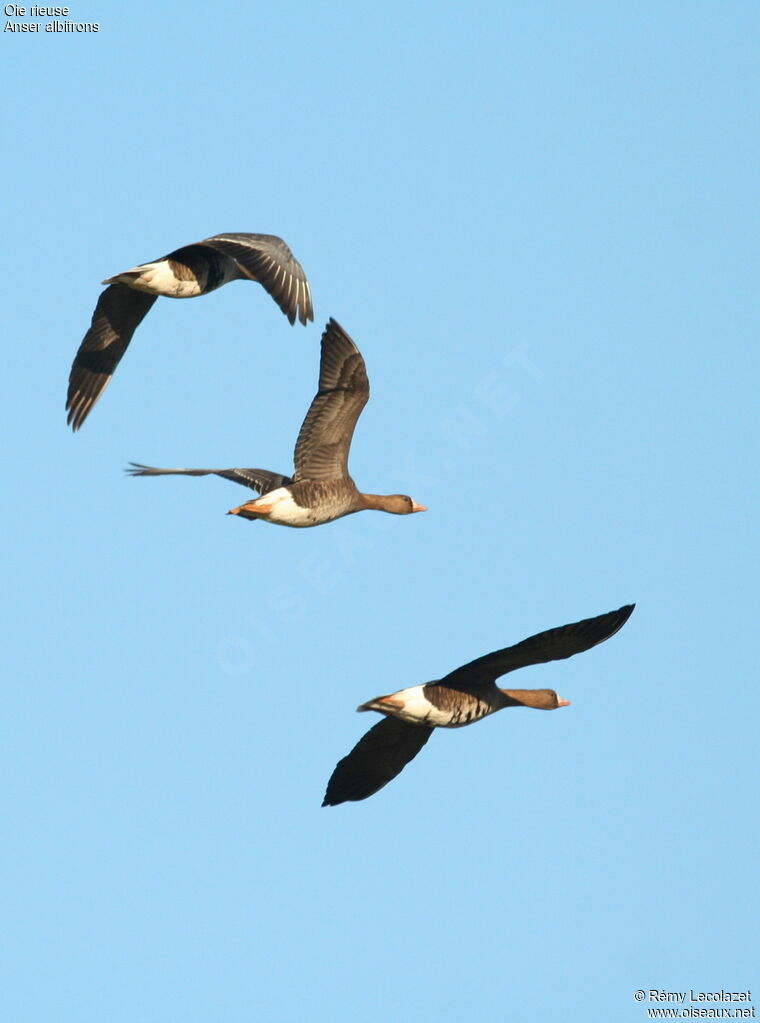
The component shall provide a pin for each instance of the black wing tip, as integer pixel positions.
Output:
(331, 798)
(78, 404)
(306, 309)
(624, 613)
(303, 315)
(302, 311)
(78, 409)
(337, 798)
(614, 620)
(334, 332)
(298, 310)
(606, 624)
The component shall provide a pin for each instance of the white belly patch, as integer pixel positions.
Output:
(286, 512)
(158, 279)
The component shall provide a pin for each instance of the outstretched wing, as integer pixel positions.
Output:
(553, 645)
(375, 760)
(268, 260)
(325, 436)
(260, 480)
(117, 315)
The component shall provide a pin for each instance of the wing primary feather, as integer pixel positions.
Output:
(259, 480)
(552, 645)
(377, 758)
(325, 436)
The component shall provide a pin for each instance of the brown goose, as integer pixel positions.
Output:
(185, 273)
(464, 696)
(321, 489)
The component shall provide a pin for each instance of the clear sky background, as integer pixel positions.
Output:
(539, 222)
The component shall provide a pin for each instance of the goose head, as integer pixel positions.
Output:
(541, 699)
(396, 504)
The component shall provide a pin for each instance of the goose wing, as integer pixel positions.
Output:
(117, 315)
(260, 480)
(375, 760)
(325, 436)
(267, 259)
(553, 645)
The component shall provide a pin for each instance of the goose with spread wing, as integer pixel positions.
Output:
(185, 273)
(321, 489)
(464, 696)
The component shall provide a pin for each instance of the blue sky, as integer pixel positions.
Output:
(539, 223)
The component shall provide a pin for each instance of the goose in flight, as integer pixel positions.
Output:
(185, 273)
(320, 489)
(464, 696)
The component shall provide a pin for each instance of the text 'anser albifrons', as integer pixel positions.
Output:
(464, 696)
(321, 489)
(185, 273)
